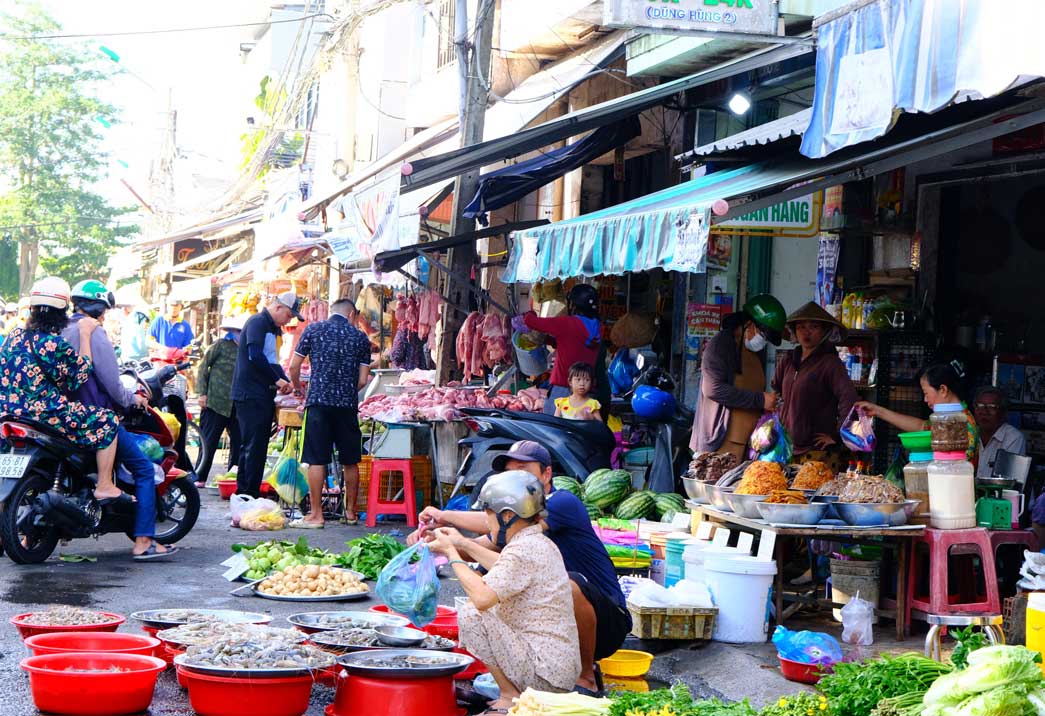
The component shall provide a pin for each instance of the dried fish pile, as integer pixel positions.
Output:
(349, 636)
(66, 616)
(203, 632)
(250, 654)
(402, 661)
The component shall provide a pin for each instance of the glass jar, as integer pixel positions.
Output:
(952, 491)
(916, 482)
(950, 428)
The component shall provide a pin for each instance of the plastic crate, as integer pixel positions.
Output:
(688, 623)
(392, 483)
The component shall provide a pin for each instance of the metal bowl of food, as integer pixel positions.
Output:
(829, 500)
(696, 490)
(902, 517)
(400, 636)
(746, 505)
(311, 622)
(872, 514)
(717, 496)
(785, 514)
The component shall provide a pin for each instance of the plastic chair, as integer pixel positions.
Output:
(376, 506)
(943, 547)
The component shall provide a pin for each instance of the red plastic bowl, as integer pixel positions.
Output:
(445, 624)
(28, 630)
(100, 693)
(802, 673)
(65, 642)
(228, 696)
(226, 488)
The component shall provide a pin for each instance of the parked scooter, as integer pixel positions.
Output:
(577, 447)
(653, 402)
(47, 482)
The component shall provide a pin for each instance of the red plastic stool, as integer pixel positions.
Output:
(945, 545)
(376, 506)
(1019, 537)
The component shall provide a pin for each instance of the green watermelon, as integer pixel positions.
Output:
(562, 482)
(605, 488)
(594, 513)
(669, 502)
(637, 505)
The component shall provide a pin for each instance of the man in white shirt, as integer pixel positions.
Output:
(990, 409)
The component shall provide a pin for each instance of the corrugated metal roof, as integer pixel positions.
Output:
(791, 126)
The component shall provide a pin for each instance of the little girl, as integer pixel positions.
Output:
(577, 405)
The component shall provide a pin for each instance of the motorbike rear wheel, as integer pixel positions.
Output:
(177, 511)
(22, 547)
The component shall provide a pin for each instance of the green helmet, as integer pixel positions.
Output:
(92, 297)
(768, 313)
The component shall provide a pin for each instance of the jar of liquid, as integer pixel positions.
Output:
(916, 484)
(950, 428)
(952, 493)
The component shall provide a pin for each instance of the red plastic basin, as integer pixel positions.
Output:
(445, 624)
(56, 690)
(64, 642)
(226, 488)
(477, 667)
(802, 673)
(227, 696)
(28, 630)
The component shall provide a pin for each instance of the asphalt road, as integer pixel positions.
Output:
(115, 583)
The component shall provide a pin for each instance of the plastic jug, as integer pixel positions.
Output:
(1036, 623)
(952, 493)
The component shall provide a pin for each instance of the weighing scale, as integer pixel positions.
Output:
(993, 511)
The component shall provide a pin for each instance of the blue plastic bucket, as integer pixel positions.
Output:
(530, 363)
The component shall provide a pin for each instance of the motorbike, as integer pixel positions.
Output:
(577, 447)
(174, 399)
(47, 483)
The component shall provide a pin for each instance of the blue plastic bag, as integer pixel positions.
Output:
(411, 588)
(807, 647)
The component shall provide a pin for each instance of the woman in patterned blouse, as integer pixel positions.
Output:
(38, 369)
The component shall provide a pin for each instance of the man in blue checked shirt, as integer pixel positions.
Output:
(339, 355)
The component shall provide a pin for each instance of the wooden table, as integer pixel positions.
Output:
(896, 538)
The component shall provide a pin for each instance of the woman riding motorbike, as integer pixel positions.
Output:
(38, 369)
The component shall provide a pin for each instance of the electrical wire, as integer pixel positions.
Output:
(163, 31)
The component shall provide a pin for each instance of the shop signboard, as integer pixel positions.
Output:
(797, 218)
(752, 17)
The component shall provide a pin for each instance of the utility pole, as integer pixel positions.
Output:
(475, 96)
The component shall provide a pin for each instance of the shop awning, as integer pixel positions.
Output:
(893, 56)
(388, 261)
(452, 163)
(793, 125)
(645, 233)
(512, 183)
(208, 257)
(245, 218)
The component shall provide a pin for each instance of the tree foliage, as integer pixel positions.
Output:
(49, 152)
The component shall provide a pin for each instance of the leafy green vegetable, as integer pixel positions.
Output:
(369, 555)
(800, 704)
(989, 668)
(675, 700)
(854, 689)
(966, 640)
(903, 705)
(75, 558)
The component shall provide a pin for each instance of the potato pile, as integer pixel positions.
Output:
(312, 581)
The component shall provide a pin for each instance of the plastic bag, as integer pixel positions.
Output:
(858, 431)
(149, 446)
(288, 476)
(261, 519)
(240, 505)
(411, 588)
(770, 441)
(857, 617)
(807, 647)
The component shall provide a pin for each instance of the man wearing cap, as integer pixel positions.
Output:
(339, 357)
(603, 620)
(171, 331)
(214, 387)
(258, 378)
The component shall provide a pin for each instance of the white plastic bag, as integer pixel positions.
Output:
(857, 618)
(239, 505)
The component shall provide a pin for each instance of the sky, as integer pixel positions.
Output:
(196, 68)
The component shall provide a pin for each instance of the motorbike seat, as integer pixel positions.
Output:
(48, 430)
(55, 440)
(591, 430)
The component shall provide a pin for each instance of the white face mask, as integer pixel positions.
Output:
(756, 344)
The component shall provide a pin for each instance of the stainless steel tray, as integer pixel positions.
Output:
(306, 621)
(327, 598)
(182, 645)
(150, 617)
(361, 663)
(180, 660)
(346, 649)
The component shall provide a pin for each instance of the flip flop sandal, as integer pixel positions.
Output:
(153, 554)
(303, 525)
(122, 500)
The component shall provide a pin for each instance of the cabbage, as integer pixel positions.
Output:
(1037, 700)
(943, 692)
(1007, 701)
(989, 668)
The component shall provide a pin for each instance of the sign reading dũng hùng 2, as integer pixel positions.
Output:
(756, 17)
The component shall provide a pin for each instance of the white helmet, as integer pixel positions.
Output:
(515, 490)
(50, 291)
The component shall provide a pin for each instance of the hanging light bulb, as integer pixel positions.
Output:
(739, 103)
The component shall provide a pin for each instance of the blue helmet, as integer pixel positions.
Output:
(652, 403)
(622, 372)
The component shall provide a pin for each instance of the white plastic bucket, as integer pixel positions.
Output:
(695, 554)
(740, 587)
(530, 363)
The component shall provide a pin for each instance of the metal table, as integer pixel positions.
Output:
(896, 538)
